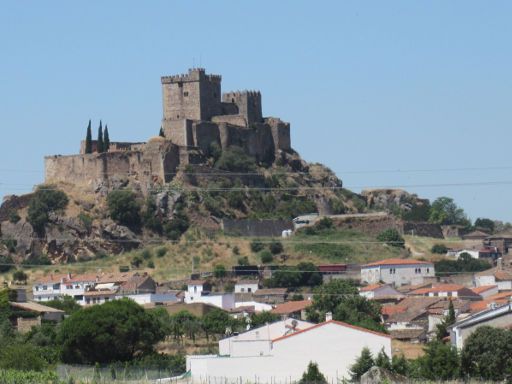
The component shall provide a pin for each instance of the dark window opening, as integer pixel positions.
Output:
(233, 101)
(185, 94)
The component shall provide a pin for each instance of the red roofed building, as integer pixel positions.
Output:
(447, 290)
(397, 271)
(295, 309)
(486, 290)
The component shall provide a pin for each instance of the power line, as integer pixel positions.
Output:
(268, 189)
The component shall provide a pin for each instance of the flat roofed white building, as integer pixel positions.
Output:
(397, 271)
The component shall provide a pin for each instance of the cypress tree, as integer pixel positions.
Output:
(106, 140)
(88, 139)
(99, 143)
(161, 134)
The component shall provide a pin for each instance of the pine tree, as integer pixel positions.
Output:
(363, 363)
(106, 140)
(312, 375)
(161, 134)
(88, 139)
(449, 319)
(382, 360)
(99, 143)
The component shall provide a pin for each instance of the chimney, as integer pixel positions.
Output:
(328, 316)
(499, 263)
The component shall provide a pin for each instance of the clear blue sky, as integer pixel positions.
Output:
(373, 85)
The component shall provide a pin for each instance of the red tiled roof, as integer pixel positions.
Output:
(397, 262)
(291, 307)
(439, 288)
(483, 288)
(371, 287)
(392, 309)
(331, 322)
(51, 278)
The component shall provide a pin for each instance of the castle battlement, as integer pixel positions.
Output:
(242, 93)
(193, 75)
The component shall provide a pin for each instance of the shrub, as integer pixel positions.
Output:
(391, 237)
(86, 221)
(324, 223)
(161, 252)
(124, 268)
(440, 249)
(177, 226)
(46, 200)
(136, 262)
(312, 375)
(11, 244)
(38, 260)
(219, 271)
(6, 263)
(19, 276)
(151, 264)
(266, 256)
(244, 260)
(22, 357)
(124, 208)
(146, 254)
(256, 246)
(236, 250)
(235, 159)
(276, 247)
(14, 217)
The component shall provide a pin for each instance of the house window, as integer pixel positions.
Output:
(242, 289)
(77, 286)
(195, 289)
(428, 270)
(107, 298)
(69, 287)
(249, 290)
(37, 288)
(45, 287)
(185, 94)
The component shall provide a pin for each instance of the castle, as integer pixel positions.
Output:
(195, 116)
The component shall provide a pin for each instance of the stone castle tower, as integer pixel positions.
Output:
(196, 115)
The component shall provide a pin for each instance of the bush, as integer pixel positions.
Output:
(243, 261)
(14, 217)
(266, 256)
(161, 252)
(124, 268)
(177, 226)
(136, 262)
(440, 249)
(22, 357)
(235, 159)
(256, 246)
(19, 276)
(146, 254)
(312, 375)
(46, 200)
(10, 244)
(38, 260)
(151, 264)
(6, 263)
(276, 247)
(124, 208)
(236, 250)
(219, 271)
(86, 221)
(391, 237)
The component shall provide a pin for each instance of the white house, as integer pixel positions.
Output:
(447, 290)
(230, 346)
(333, 345)
(246, 286)
(197, 294)
(57, 286)
(378, 291)
(495, 316)
(494, 276)
(258, 307)
(397, 271)
(474, 253)
(486, 291)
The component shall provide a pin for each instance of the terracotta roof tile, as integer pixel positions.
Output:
(483, 288)
(371, 287)
(330, 322)
(291, 307)
(438, 288)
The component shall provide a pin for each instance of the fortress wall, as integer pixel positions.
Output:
(231, 119)
(179, 131)
(204, 133)
(93, 169)
(280, 133)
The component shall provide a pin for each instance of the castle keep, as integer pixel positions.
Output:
(196, 116)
